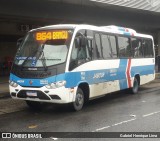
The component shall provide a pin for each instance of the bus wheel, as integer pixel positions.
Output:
(135, 87)
(35, 105)
(79, 100)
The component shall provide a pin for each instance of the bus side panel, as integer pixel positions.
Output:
(104, 88)
(105, 76)
(145, 68)
(101, 75)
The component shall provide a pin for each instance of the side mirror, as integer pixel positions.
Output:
(80, 42)
(83, 42)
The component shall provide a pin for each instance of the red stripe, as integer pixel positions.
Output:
(128, 73)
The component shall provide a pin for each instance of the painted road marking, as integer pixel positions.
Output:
(150, 114)
(54, 138)
(126, 121)
(116, 124)
(101, 128)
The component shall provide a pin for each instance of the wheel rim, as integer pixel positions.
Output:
(79, 100)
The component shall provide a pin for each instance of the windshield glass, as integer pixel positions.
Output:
(44, 48)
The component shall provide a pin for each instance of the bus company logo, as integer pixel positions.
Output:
(30, 82)
(44, 82)
(20, 81)
(83, 75)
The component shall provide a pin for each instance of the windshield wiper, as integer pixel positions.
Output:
(41, 52)
(43, 59)
(34, 53)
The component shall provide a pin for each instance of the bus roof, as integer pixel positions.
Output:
(109, 29)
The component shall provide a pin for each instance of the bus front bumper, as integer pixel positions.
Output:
(59, 95)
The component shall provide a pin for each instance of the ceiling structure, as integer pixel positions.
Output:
(149, 5)
(139, 14)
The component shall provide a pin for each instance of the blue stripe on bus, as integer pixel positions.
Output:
(122, 74)
(142, 70)
(36, 82)
(91, 77)
(127, 33)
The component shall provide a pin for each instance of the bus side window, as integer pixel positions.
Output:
(89, 49)
(136, 47)
(124, 47)
(113, 46)
(89, 34)
(148, 48)
(97, 49)
(106, 47)
(109, 46)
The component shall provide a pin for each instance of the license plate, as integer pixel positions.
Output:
(31, 93)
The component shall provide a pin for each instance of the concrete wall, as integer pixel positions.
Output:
(9, 33)
(7, 49)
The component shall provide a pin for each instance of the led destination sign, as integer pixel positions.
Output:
(51, 35)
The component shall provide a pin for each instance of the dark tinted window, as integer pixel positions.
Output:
(137, 47)
(98, 51)
(89, 46)
(124, 47)
(109, 46)
(113, 46)
(81, 52)
(148, 48)
(106, 46)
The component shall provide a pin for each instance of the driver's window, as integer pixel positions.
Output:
(74, 52)
(79, 53)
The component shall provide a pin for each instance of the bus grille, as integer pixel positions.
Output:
(40, 95)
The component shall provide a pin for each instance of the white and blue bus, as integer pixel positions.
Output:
(75, 63)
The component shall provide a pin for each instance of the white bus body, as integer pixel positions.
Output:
(112, 58)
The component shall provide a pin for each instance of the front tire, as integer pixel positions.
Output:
(79, 100)
(35, 105)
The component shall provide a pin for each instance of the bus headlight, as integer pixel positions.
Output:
(56, 85)
(60, 84)
(51, 86)
(13, 84)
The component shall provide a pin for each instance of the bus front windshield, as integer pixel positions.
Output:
(44, 48)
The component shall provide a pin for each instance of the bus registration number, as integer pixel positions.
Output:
(31, 93)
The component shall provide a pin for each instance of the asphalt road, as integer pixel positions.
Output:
(117, 112)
